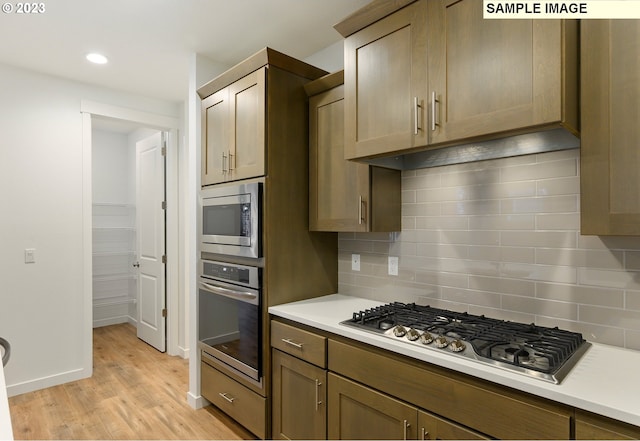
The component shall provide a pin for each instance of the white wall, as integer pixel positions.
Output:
(42, 305)
(110, 168)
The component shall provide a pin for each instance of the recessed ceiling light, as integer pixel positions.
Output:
(97, 58)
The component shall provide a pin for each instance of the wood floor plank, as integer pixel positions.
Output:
(135, 392)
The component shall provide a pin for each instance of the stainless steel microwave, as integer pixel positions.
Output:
(231, 220)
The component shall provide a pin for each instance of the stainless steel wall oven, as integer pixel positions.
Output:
(230, 316)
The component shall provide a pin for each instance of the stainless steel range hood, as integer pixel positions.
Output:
(526, 144)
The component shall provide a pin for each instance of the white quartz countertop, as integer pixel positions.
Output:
(604, 381)
(5, 419)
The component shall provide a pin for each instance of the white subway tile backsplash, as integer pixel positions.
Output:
(561, 221)
(502, 238)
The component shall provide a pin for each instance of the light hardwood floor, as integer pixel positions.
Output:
(135, 392)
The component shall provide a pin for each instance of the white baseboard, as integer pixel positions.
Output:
(43, 383)
(110, 321)
(197, 401)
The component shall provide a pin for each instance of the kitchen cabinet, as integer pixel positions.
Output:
(498, 76)
(481, 407)
(240, 403)
(348, 406)
(245, 112)
(299, 390)
(358, 412)
(233, 129)
(609, 162)
(263, 116)
(433, 427)
(385, 68)
(344, 196)
(592, 426)
(435, 73)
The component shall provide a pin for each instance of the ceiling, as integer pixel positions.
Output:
(149, 42)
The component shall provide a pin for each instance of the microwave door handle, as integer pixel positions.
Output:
(232, 293)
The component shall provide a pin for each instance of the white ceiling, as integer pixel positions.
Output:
(149, 42)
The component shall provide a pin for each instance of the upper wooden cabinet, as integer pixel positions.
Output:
(344, 195)
(493, 76)
(233, 125)
(435, 73)
(245, 112)
(385, 82)
(609, 161)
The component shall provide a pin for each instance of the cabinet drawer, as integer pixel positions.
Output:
(473, 403)
(303, 344)
(240, 403)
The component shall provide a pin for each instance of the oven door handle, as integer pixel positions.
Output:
(244, 296)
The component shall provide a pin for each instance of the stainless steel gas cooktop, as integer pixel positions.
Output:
(536, 351)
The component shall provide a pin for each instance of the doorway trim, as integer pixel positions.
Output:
(154, 121)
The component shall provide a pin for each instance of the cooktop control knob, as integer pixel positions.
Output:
(426, 338)
(441, 342)
(399, 331)
(457, 346)
(412, 335)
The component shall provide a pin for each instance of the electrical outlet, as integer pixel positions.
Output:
(355, 262)
(393, 266)
(30, 255)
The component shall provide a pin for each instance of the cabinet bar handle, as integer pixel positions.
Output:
(318, 401)
(293, 343)
(423, 434)
(234, 161)
(416, 106)
(433, 111)
(226, 397)
(360, 210)
(405, 428)
(224, 157)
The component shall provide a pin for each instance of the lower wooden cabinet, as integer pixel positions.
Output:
(591, 426)
(299, 391)
(357, 412)
(328, 387)
(240, 403)
(433, 427)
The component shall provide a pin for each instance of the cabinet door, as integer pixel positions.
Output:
(385, 71)
(490, 76)
(338, 189)
(299, 398)
(215, 139)
(592, 426)
(247, 114)
(609, 161)
(433, 427)
(357, 412)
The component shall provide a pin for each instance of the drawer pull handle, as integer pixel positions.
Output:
(292, 343)
(226, 397)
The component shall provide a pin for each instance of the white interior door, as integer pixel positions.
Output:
(150, 196)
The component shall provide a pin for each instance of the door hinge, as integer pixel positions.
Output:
(164, 259)
(164, 205)
(164, 312)
(164, 150)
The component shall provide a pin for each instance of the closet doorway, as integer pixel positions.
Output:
(128, 198)
(112, 212)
